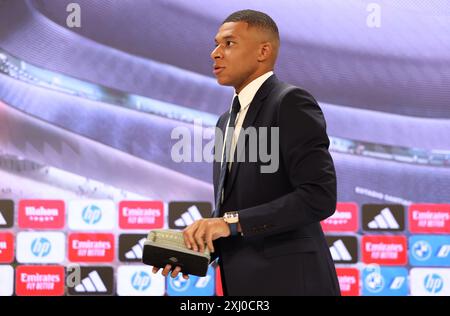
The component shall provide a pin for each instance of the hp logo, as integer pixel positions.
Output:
(421, 250)
(40, 247)
(140, 281)
(92, 214)
(433, 283)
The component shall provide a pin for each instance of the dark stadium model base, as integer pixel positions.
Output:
(189, 263)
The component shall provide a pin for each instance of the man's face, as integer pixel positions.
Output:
(236, 54)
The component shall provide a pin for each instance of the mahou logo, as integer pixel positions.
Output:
(348, 281)
(141, 214)
(384, 250)
(91, 247)
(429, 218)
(40, 280)
(345, 219)
(41, 214)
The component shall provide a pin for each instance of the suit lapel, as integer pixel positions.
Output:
(250, 117)
(216, 170)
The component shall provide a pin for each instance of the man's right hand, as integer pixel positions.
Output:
(166, 270)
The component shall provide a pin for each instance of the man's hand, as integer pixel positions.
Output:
(203, 232)
(167, 269)
(196, 236)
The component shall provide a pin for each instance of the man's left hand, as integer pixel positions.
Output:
(203, 232)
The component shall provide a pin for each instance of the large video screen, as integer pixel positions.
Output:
(94, 94)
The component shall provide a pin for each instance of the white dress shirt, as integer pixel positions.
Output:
(245, 98)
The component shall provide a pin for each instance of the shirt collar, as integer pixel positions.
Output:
(248, 93)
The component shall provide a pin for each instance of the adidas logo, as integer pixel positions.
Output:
(383, 217)
(339, 252)
(384, 220)
(92, 283)
(182, 214)
(6, 213)
(190, 216)
(136, 250)
(2, 219)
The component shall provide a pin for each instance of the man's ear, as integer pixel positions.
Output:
(265, 51)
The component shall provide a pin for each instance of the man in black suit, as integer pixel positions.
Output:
(266, 226)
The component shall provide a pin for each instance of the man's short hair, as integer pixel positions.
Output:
(256, 19)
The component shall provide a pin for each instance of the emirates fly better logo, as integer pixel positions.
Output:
(429, 218)
(348, 281)
(39, 280)
(141, 214)
(91, 247)
(384, 250)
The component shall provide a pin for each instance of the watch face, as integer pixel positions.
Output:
(231, 218)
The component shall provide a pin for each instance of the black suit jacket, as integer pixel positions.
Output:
(283, 250)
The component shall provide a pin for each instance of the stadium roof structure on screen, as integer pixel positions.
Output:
(328, 47)
(59, 103)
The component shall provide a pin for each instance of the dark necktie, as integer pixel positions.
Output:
(226, 153)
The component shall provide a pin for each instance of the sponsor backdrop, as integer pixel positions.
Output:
(94, 101)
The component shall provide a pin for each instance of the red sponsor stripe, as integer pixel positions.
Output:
(219, 290)
(40, 280)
